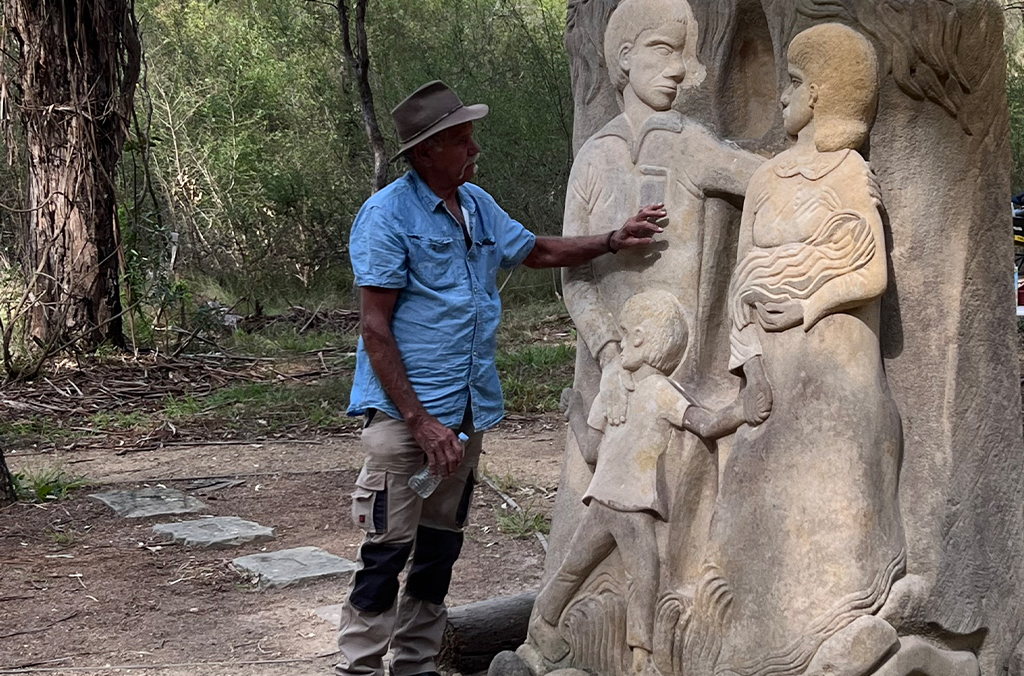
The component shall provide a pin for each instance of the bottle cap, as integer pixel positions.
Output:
(463, 437)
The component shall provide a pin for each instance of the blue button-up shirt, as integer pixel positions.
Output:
(446, 317)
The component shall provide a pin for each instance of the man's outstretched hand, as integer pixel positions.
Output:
(442, 446)
(640, 229)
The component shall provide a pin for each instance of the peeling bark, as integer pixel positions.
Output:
(73, 90)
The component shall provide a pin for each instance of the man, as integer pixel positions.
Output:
(426, 251)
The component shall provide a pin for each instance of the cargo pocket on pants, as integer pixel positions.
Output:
(370, 502)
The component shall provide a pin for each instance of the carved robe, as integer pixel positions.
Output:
(807, 534)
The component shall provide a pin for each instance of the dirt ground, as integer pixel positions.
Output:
(80, 587)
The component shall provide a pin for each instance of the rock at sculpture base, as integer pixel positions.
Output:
(508, 663)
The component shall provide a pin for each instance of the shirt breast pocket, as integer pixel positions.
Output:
(433, 260)
(490, 258)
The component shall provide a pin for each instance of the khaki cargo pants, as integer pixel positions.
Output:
(398, 523)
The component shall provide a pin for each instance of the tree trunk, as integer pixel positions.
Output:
(7, 490)
(78, 67)
(358, 59)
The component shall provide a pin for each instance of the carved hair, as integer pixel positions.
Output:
(663, 319)
(842, 64)
(629, 21)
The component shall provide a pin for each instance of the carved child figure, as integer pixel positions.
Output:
(626, 495)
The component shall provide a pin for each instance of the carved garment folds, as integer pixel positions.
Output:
(807, 533)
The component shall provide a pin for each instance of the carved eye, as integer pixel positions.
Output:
(662, 50)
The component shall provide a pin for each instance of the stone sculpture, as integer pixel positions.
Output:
(854, 505)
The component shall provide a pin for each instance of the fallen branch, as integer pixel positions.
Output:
(138, 667)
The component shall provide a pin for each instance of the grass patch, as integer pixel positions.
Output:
(520, 524)
(118, 421)
(284, 339)
(533, 376)
(46, 484)
(267, 406)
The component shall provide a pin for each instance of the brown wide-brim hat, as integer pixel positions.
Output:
(430, 109)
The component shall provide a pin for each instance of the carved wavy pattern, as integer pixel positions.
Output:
(794, 658)
(922, 45)
(841, 245)
(716, 29)
(596, 627)
(688, 630)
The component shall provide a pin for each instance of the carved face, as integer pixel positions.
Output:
(632, 353)
(798, 101)
(656, 64)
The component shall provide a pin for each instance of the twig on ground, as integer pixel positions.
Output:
(38, 630)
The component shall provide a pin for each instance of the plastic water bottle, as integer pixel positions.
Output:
(425, 482)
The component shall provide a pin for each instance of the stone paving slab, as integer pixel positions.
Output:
(218, 532)
(294, 566)
(146, 502)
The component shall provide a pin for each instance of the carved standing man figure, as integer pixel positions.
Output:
(649, 154)
(807, 536)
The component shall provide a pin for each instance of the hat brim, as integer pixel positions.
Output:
(460, 116)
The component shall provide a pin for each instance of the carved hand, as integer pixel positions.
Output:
(613, 391)
(757, 394)
(779, 316)
(444, 452)
(640, 229)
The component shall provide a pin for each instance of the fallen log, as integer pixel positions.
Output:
(478, 631)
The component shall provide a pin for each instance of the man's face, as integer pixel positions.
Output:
(655, 64)
(451, 159)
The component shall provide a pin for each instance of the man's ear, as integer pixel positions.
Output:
(639, 336)
(812, 91)
(624, 51)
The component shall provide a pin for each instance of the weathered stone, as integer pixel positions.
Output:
(147, 502)
(215, 533)
(294, 566)
(508, 663)
(856, 649)
(851, 323)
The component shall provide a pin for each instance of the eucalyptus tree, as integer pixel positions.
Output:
(68, 100)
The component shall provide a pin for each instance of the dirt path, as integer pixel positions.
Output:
(80, 587)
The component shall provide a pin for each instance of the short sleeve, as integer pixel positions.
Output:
(514, 241)
(379, 255)
(674, 402)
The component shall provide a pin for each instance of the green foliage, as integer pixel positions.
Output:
(258, 157)
(46, 484)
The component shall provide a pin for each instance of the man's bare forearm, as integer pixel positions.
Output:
(566, 252)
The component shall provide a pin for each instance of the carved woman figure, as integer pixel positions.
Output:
(807, 535)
